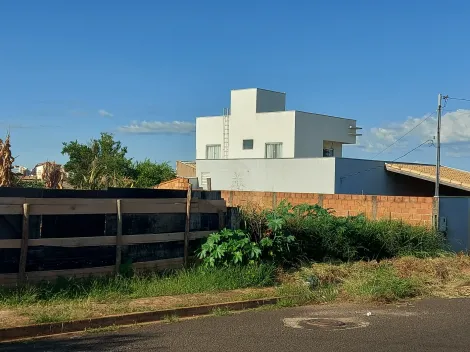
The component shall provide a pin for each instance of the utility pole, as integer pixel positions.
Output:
(438, 159)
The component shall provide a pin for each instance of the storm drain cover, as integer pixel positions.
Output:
(323, 323)
(329, 324)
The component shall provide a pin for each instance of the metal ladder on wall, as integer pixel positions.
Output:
(226, 132)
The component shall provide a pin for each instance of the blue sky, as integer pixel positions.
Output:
(72, 69)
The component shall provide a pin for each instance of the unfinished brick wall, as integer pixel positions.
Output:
(179, 183)
(413, 210)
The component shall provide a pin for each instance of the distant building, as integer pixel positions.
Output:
(186, 169)
(38, 170)
(20, 170)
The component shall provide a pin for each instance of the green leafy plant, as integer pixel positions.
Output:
(277, 241)
(229, 247)
(292, 234)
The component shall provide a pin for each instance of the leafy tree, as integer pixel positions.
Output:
(98, 164)
(149, 174)
(102, 163)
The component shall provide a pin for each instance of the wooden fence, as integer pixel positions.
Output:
(27, 207)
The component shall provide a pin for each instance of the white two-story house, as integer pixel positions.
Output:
(257, 125)
(237, 149)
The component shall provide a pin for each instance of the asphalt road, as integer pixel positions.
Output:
(429, 325)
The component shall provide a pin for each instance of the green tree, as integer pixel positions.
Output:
(149, 174)
(98, 164)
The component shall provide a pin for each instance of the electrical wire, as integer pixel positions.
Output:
(403, 136)
(430, 141)
(431, 144)
(461, 99)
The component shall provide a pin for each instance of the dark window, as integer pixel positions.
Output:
(328, 152)
(247, 144)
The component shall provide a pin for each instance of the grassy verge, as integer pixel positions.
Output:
(193, 280)
(68, 299)
(384, 281)
(387, 281)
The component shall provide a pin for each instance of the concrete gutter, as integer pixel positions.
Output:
(42, 330)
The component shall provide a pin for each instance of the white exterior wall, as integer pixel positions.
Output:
(250, 118)
(312, 129)
(270, 175)
(270, 127)
(260, 115)
(209, 130)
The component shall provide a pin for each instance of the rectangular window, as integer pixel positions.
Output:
(247, 144)
(273, 150)
(213, 151)
(328, 152)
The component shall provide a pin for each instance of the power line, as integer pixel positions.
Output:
(407, 133)
(461, 99)
(430, 141)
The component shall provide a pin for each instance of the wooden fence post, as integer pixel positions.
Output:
(221, 219)
(24, 244)
(186, 227)
(118, 236)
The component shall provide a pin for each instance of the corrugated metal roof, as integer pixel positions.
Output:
(449, 176)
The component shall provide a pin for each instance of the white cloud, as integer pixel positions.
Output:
(456, 150)
(105, 113)
(159, 127)
(455, 133)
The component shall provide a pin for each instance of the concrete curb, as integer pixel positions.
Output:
(41, 330)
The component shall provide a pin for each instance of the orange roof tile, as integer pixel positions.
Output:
(449, 176)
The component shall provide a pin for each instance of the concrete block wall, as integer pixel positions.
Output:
(413, 210)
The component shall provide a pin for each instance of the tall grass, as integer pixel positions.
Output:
(321, 236)
(361, 281)
(194, 280)
(380, 283)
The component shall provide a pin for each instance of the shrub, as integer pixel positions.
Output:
(278, 241)
(229, 247)
(310, 232)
